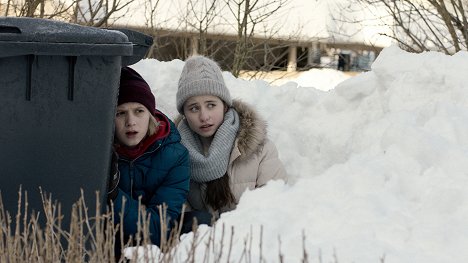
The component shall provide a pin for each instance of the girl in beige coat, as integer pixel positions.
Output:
(227, 142)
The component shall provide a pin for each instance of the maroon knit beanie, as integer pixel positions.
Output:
(133, 88)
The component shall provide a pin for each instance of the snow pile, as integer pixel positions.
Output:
(379, 164)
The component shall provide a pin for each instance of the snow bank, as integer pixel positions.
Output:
(379, 164)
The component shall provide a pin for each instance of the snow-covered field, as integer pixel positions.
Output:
(379, 162)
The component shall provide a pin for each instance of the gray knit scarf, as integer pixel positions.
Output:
(214, 164)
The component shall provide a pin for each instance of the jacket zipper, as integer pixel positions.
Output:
(131, 165)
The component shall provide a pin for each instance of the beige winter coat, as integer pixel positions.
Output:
(254, 160)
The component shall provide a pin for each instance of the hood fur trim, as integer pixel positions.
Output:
(252, 131)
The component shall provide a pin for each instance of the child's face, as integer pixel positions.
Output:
(204, 114)
(131, 123)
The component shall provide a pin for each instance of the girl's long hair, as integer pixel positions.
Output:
(218, 193)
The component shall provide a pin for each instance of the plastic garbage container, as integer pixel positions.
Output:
(58, 93)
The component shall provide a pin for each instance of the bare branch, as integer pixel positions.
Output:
(421, 25)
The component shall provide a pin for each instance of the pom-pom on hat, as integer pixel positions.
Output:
(133, 88)
(201, 76)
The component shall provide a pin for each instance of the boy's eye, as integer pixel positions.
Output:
(138, 111)
(119, 113)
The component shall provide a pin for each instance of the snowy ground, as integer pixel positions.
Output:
(323, 79)
(380, 162)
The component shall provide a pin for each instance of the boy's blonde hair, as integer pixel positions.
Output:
(153, 126)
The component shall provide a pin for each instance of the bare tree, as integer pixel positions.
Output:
(151, 14)
(202, 28)
(421, 25)
(192, 30)
(249, 14)
(199, 17)
(49, 9)
(268, 52)
(152, 23)
(96, 13)
(205, 25)
(99, 13)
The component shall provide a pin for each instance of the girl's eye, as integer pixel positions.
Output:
(193, 109)
(211, 105)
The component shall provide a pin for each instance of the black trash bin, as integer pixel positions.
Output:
(58, 92)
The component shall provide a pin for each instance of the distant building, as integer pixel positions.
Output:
(265, 54)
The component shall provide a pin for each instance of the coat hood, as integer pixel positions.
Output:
(252, 129)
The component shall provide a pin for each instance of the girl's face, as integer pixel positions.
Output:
(204, 114)
(131, 123)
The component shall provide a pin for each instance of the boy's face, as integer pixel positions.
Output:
(131, 123)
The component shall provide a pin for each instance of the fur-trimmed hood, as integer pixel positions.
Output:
(252, 129)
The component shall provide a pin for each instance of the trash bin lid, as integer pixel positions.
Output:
(23, 36)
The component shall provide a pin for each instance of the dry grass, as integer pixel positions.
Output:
(30, 238)
(91, 238)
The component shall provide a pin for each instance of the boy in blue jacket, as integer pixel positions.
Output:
(153, 164)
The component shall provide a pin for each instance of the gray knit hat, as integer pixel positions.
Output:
(201, 76)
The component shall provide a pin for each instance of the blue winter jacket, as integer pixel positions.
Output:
(160, 175)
